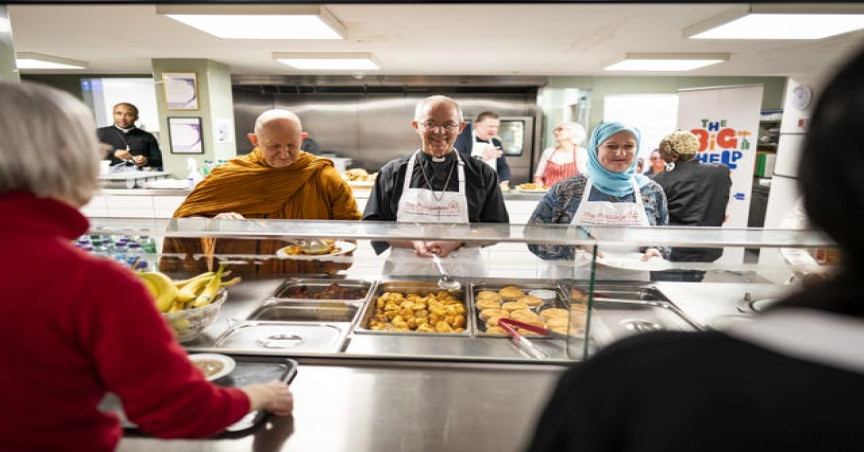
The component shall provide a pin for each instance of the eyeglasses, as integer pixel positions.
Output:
(448, 126)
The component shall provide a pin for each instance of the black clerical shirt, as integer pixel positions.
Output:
(485, 201)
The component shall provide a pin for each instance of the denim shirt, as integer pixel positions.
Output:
(562, 201)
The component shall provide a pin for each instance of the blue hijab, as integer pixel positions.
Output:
(611, 182)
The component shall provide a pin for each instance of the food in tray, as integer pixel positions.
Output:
(530, 300)
(424, 312)
(514, 306)
(332, 292)
(488, 295)
(487, 303)
(487, 314)
(302, 248)
(511, 292)
(532, 187)
(553, 313)
(213, 365)
(359, 175)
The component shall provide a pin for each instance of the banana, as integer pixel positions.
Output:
(193, 279)
(161, 287)
(190, 291)
(208, 294)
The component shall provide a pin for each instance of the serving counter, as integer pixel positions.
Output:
(366, 389)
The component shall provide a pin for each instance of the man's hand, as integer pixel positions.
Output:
(140, 160)
(122, 154)
(229, 216)
(651, 252)
(492, 153)
(442, 248)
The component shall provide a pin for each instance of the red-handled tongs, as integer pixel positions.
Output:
(534, 328)
(523, 344)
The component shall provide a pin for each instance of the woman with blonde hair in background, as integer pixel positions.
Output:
(566, 158)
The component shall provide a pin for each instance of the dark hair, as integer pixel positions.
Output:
(127, 104)
(486, 114)
(833, 188)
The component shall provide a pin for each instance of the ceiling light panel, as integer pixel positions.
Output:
(328, 61)
(27, 60)
(781, 21)
(258, 21)
(666, 62)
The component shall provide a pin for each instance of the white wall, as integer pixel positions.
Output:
(140, 92)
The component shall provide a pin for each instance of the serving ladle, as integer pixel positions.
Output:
(445, 281)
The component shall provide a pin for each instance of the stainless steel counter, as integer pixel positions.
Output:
(372, 397)
(396, 406)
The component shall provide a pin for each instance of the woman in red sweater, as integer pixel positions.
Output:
(75, 326)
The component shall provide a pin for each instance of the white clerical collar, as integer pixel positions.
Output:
(807, 334)
(124, 130)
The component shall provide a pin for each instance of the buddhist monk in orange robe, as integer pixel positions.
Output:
(275, 181)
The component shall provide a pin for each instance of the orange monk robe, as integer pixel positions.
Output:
(308, 189)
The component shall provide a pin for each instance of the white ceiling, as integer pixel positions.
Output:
(425, 39)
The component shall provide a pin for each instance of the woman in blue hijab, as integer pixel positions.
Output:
(611, 193)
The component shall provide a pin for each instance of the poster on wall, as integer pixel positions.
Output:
(181, 90)
(185, 136)
(726, 120)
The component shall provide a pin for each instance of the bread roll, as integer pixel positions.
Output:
(530, 300)
(511, 293)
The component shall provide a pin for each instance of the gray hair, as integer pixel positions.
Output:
(48, 143)
(574, 131)
(431, 100)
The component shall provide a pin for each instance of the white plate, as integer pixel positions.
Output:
(527, 190)
(361, 183)
(227, 363)
(633, 261)
(345, 247)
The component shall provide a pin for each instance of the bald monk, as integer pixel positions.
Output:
(276, 180)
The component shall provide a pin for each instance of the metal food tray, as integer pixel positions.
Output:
(319, 285)
(620, 311)
(307, 311)
(411, 287)
(249, 370)
(562, 300)
(318, 337)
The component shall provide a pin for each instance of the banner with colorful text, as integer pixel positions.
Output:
(726, 120)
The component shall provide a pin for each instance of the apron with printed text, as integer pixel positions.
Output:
(421, 205)
(600, 213)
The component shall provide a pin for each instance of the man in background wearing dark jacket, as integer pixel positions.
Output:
(697, 195)
(479, 141)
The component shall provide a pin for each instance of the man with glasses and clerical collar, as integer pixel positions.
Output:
(127, 143)
(434, 184)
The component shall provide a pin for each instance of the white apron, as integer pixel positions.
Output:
(478, 149)
(421, 205)
(598, 213)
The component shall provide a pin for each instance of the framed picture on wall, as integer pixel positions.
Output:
(185, 135)
(181, 90)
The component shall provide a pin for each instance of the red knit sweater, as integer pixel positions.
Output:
(74, 326)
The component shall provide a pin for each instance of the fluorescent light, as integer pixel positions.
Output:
(781, 22)
(666, 62)
(27, 60)
(258, 21)
(328, 61)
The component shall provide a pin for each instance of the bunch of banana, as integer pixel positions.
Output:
(195, 292)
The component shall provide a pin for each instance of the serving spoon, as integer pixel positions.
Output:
(445, 282)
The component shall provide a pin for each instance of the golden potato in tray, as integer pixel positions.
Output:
(429, 312)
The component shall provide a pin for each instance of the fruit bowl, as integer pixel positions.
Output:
(189, 323)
